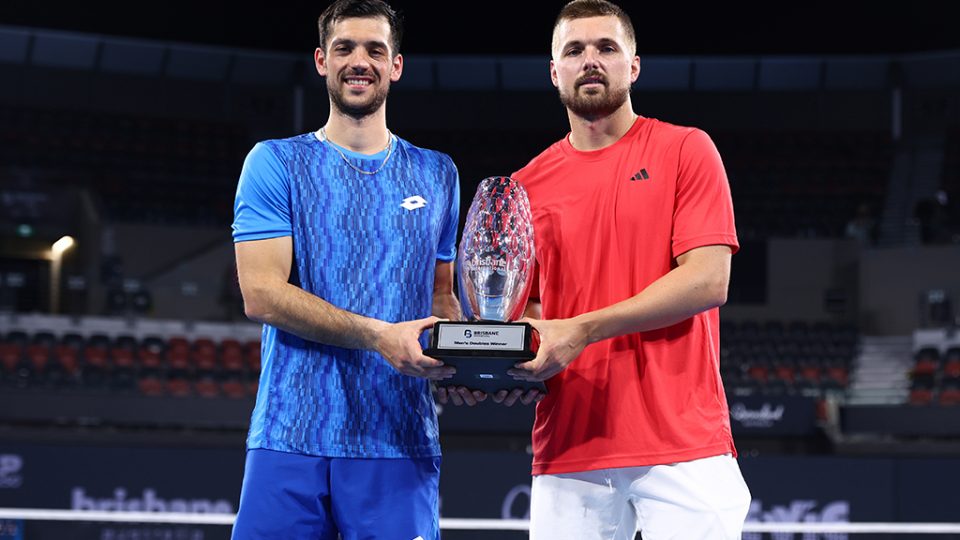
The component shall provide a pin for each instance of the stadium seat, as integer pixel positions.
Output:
(949, 394)
(96, 364)
(150, 354)
(124, 352)
(231, 356)
(40, 349)
(927, 361)
(921, 396)
(64, 370)
(251, 351)
(11, 352)
(235, 389)
(178, 358)
(785, 369)
(951, 365)
(836, 377)
(759, 373)
(150, 385)
(178, 387)
(124, 357)
(204, 356)
(207, 388)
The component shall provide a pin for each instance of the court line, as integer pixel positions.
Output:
(41, 514)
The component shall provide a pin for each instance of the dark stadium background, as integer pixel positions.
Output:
(154, 407)
(703, 28)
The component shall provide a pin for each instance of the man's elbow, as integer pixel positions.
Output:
(717, 292)
(256, 305)
(253, 311)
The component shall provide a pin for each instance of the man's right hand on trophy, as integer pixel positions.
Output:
(399, 344)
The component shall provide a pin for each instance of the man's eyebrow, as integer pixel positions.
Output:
(369, 44)
(598, 41)
(375, 43)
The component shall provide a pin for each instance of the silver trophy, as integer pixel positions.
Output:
(495, 260)
(495, 265)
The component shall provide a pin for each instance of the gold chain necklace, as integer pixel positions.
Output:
(389, 149)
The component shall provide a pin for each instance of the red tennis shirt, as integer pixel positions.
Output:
(608, 223)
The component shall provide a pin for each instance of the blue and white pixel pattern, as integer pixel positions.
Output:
(367, 244)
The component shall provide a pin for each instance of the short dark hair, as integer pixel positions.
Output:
(582, 9)
(349, 9)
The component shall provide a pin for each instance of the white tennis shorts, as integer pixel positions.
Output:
(700, 499)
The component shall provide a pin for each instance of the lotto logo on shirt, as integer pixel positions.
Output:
(412, 203)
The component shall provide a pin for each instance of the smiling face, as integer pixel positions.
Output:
(593, 65)
(359, 65)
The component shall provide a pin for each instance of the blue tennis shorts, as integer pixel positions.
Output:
(293, 496)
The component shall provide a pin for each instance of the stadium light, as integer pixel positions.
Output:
(56, 262)
(62, 245)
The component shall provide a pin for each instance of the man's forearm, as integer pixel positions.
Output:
(446, 306)
(678, 295)
(310, 317)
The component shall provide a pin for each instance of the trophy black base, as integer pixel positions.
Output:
(482, 352)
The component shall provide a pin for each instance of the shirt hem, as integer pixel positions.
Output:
(723, 239)
(246, 237)
(343, 453)
(635, 460)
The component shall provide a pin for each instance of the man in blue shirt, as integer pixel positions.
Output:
(345, 241)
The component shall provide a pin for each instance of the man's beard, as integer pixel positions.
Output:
(597, 105)
(356, 110)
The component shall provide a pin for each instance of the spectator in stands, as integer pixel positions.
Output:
(932, 215)
(634, 233)
(345, 239)
(950, 213)
(863, 227)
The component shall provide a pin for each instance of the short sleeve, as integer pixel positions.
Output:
(447, 248)
(262, 206)
(703, 213)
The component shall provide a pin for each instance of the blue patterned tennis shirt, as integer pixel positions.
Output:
(368, 244)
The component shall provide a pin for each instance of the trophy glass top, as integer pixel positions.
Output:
(495, 260)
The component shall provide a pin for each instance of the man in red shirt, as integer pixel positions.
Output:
(634, 233)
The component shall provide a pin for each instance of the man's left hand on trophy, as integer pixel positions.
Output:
(459, 395)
